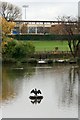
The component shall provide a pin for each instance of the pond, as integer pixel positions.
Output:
(58, 85)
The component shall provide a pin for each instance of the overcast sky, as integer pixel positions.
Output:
(46, 9)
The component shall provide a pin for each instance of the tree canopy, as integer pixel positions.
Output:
(6, 26)
(9, 11)
(70, 29)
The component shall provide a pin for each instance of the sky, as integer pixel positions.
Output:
(46, 9)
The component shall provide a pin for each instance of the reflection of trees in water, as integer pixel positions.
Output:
(70, 89)
(12, 80)
(0, 81)
(79, 92)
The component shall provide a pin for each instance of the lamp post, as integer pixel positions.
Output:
(25, 6)
(79, 11)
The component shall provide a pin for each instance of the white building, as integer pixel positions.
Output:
(39, 27)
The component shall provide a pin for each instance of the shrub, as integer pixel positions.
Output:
(23, 50)
(17, 50)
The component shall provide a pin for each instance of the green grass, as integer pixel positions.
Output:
(50, 45)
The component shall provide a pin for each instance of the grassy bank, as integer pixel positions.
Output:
(50, 45)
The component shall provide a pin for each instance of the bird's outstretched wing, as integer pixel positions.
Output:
(39, 91)
(33, 102)
(32, 91)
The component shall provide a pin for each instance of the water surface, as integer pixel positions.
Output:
(58, 84)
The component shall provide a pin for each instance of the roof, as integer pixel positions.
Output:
(39, 21)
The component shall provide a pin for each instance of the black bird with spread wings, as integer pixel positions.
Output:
(35, 91)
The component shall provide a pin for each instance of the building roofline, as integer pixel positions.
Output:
(39, 21)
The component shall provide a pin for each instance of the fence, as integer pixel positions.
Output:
(52, 54)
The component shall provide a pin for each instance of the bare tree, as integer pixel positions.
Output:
(9, 11)
(71, 27)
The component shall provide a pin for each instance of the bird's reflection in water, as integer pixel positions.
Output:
(35, 101)
(36, 98)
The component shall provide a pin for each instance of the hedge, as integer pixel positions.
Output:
(43, 37)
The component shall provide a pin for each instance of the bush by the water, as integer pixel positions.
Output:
(17, 50)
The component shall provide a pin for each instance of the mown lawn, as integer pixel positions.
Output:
(50, 45)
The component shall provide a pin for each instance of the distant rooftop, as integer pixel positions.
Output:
(42, 21)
